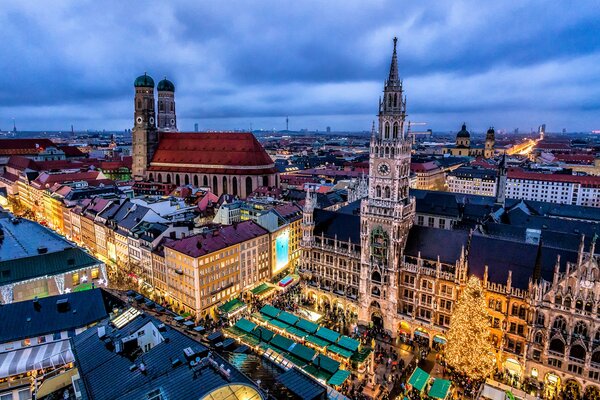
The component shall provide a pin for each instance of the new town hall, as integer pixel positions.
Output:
(399, 258)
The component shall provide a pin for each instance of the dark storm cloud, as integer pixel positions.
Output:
(502, 63)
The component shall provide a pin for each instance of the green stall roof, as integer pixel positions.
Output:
(339, 351)
(262, 288)
(263, 333)
(279, 324)
(317, 373)
(439, 389)
(317, 341)
(231, 306)
(348, 343)
(270, 311)
(296, 332)
(418, 379)
(361, 355)
(303, 352)
(260, 317)
(281, 342)
(328, 334)
(326, 363)
(307, 326)
(338, 378)
(245, 325)
(288, 318)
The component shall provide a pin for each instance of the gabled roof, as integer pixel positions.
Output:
(434, 242)
(106, 374)
(24, 146)
(205, 243)
(209, 151)
(333, 224)
(28, 319)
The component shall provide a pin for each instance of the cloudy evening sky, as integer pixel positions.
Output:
(247, 63)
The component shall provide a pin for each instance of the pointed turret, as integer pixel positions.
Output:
(394, 78)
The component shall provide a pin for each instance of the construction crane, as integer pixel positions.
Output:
(414, 134)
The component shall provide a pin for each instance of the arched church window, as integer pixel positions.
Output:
(225, 188)
(265, 180)
(177, 180)
(387, 151)
(580, 331)
(538, 338)
(196, 180)
(579, 304)
(234, 185)
(392, 152)
(139, 105)
(378, 191)
(186, 179)
(395, 99)
(558, 299)
(161, 106)
(151, 177)
(387, 131)
(248, 186)
(567, 302)
(540, 319)
(589, 306)
(376, 276)
(160, 178)
(388, 193)
(215, 185)
(560, 325)
(379, 244)
(168, 178)
(389, 100)
(205, 181)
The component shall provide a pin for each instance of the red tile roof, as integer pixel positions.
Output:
(21, 163)
(46, 180)
(206, 243)
(423, 166)
(576, 158)
(72, 151)
(584, 180)
(24, 146)
(230, 152)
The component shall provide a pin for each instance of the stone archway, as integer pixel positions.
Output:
(591, 392)
(571, 390)
(377, 320)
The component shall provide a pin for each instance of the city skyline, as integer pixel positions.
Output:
(236, 67)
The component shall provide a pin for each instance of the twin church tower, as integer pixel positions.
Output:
(147, 123)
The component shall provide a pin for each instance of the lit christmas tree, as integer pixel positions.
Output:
(469, 350)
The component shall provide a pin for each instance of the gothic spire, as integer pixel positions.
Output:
(394, 79)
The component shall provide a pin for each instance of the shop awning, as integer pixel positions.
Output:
(262, 289)
(263, 334)
(303, 352)
(339, 351)
(327, 334)
(288, 318)
(232, 306)
(282, 342)
(439, 339)
(418, 379)
(338, 378)
(348, 343)
(307, 326)
(317, 341)
(270, 311)
(49, 355)
(439, 389)
(326, 363)
(279, 324)
(421, 333)
(296, 332)
(245, 325)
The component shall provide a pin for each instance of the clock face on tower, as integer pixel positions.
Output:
(383, 168)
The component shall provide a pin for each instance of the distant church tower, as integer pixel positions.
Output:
(388, 212)
(490, 142)
(167, 120)
(144, 133)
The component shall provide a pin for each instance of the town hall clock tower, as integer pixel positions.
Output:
(388, 212)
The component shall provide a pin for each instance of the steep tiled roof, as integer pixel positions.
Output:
(24, 146)
(434, 242)
(333, 224)
(199, 245)
(210, 151)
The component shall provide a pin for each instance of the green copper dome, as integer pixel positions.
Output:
(166, 86)
(144, 81)
(463, 132)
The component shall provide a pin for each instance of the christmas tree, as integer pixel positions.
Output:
(469, 350)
